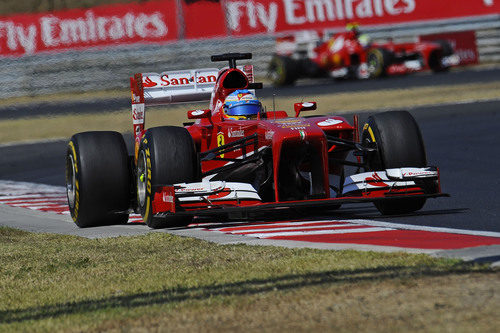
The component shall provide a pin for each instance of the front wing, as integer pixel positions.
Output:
(214, 198)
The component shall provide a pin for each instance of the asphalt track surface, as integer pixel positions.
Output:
(304, 87)
(461, 139)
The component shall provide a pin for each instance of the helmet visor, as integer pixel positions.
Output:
(246, 109)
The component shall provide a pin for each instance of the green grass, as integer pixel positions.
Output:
(163, 282)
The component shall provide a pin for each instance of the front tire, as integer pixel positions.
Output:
(378, 60)
(166, 156)
(399, 143)
(97, 179)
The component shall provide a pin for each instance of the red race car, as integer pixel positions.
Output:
(350, 54)
(237, 157)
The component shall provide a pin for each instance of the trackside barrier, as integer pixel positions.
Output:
(103, 69)
(488, 42)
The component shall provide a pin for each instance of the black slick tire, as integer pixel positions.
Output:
(98, 179)
(378, 60)
(166, 156)
(446, 48)
(283, 70)
(399, 143)
(436, 56)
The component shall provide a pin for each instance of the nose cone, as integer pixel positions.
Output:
(294, 129)
(299, 146)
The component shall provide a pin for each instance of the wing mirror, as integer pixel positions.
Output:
(304, 106)
(198, 114)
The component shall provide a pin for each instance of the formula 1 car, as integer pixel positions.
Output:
(222, 164)
(350, 54)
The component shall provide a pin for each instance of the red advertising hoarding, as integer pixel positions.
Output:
(100, 26)
(203, 19)
(161, 21)
(274, 16)
(463, 43)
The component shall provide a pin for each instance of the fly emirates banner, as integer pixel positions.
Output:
(271, 16)
(164, 21)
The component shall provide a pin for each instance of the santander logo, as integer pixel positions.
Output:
(224, 193)
(148, 83)
(375, 180)
(166, 80)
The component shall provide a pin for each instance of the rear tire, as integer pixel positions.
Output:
(308, 68)
(166, 156)
(283, 70)
(97, 179)
(399, 144)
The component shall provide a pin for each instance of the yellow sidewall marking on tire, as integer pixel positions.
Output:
(146, 213)
(367, 127)
(148, 184)
(72, 146)
(371, 134)
(76, 208)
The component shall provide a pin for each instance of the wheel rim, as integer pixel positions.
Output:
(141, 178)
(273, 75)
(276, 72)
(373, 64)
(70, 180)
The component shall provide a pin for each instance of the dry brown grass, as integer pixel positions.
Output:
(458, 303)
(160, 282)
(64, 97)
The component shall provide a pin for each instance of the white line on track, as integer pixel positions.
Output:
(264, 226)
(32, 197)
(49, 207)
(319, 232)
(291, 228)
(426, 228)
(37, 201)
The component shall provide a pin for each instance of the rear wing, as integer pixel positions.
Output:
(182, 86)
(300, 41)
(193, 85)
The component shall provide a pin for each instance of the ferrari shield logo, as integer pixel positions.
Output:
(220, 141)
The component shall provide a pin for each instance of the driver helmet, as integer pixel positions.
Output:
(364, 40)
(353, 27)
(241, 104)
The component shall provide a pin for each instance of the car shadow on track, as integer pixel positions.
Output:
(344, 214)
